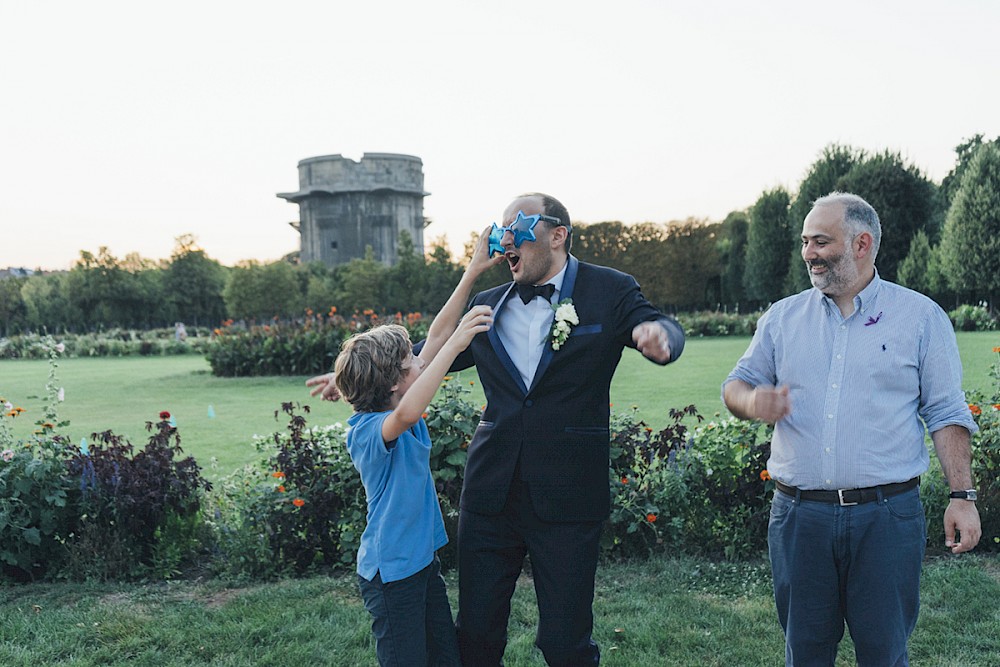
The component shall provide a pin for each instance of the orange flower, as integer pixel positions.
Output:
(975, 409)
(278, 474)
(423, 415)
(651, 517)
(996, 406)
(281, 488)
(333, 310)
(298, 502)
(649, 430)
(624, 480)
(48, 425)
(764, 475)
(997, 350)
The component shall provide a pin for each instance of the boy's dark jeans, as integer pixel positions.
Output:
(411, 619)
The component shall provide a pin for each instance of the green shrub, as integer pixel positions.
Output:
(110, 343)
(715, 323)
(649, 499)
(972, 318)
(301, 509)
(305, 347)
(985, 409)
(730, 486)
(130, 503)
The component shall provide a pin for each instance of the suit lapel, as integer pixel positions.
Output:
(497, 344)
(569, 282)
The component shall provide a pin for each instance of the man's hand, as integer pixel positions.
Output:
(652, 341)
(771, 404)
(961, 515)
(324, 386)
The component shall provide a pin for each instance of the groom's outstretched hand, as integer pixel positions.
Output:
(652, 341)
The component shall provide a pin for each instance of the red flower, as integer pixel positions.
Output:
(624, 480)
(164, 415)
(764, 475)
(651, 517)
(281, 488)
(975, 409)
(298, 502)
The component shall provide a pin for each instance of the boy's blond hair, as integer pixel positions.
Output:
(370, 364)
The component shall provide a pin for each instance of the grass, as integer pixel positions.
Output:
(122, 394)
(664, 611)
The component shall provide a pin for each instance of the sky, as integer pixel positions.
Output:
(129, 124)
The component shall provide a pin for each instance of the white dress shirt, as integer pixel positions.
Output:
(524, 328)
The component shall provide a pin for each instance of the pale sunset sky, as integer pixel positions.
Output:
(128, 124)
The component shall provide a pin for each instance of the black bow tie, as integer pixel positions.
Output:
(529, 292)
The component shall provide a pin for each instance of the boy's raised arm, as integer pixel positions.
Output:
(414, 402)
(447, 318)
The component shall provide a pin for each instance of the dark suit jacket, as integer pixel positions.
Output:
(557, 429)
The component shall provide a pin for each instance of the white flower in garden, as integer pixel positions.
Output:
(7, 454)
(60, 348)
(62, 394)
(8, 406)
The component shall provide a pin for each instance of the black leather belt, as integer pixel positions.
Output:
(849, 496)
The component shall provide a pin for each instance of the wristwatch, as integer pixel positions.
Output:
(968, 494)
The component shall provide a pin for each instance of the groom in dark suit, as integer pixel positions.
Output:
(536, 481)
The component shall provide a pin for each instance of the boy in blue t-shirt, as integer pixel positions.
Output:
(389, 389)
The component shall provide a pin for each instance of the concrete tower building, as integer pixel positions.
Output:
(346, 205)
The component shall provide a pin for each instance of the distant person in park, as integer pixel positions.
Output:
(390, 388)
(536, 479)
(180, 333)
(850, 373)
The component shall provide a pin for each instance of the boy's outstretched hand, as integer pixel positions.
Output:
(324, 387)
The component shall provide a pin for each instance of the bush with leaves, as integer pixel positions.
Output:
(649, 500)
(35, 515)
(302, 509)
(972, 318)
(301, 347)
(985, 407)
(730, 487)
(135, 508)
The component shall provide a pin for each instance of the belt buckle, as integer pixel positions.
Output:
(840, 495)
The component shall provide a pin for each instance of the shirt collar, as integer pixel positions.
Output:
(863, 301)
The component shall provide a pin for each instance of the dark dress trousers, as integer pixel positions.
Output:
(536, 479)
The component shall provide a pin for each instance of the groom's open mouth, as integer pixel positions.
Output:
(512, 259)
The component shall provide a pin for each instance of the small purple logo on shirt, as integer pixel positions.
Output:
(873, 320)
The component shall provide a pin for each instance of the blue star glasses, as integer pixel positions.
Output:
(523, 229)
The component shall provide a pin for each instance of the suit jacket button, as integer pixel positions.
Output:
(528, 403)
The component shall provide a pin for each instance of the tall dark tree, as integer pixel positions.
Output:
(921, 269)
(686, 276)
(406, 280)
(193, 283)
(835, 162)
(769, 246)
(732, 249)
(904, 199)
(13, 312)
(970, 243)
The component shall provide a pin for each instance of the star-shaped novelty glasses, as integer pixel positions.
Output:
(523, 229)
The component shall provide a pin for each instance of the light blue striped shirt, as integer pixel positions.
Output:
(862, 388)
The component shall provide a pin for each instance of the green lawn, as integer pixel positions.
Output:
(665, 611)
(123, 394)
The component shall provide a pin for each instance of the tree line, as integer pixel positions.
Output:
(942, 239)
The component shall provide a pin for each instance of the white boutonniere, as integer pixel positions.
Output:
(563, 322)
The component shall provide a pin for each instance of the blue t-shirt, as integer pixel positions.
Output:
(405, 526)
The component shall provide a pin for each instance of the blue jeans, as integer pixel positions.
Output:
(411, 619)
(859, 564)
